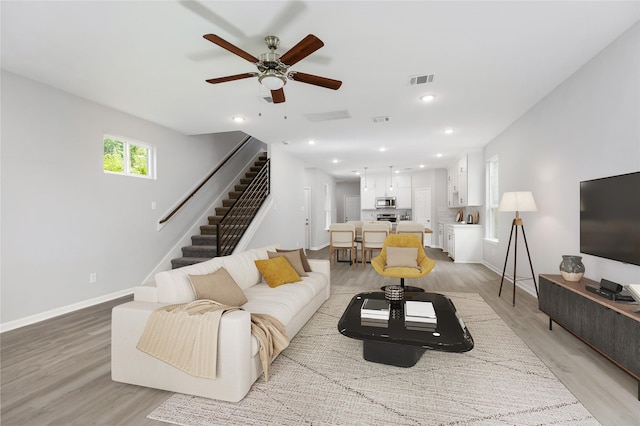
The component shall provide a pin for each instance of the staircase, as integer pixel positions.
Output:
(225, 229)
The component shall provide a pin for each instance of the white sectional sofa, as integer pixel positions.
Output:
(238, 360)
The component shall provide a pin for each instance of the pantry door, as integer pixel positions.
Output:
(422, 211)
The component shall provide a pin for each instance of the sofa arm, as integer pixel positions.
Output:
(320, 265)
(236, 370)
(146, 293)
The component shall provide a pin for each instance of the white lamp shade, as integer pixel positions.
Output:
(517, 202)
(271, 80)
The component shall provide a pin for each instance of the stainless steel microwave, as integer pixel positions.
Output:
(386, 202)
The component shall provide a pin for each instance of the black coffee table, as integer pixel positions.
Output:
(400, 343)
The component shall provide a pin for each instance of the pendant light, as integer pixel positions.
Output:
(390, 178)
(365, 180)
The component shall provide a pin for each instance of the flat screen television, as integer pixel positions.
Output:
(610, 217)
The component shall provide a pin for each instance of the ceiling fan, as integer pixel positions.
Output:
(273, 69)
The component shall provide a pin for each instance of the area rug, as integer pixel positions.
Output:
(322, 379)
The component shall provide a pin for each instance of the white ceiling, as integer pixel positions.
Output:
(492, 61)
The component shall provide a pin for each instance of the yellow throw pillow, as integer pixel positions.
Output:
(402, 256)
(303, 258)
(277, 271)
(294, 259)
(219, 286)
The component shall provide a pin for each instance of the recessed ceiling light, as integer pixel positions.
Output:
(335, 160)
(427, 98)
(422, 166)
(447, 131)
(311, 142)
(383, 149)
(439, 155)
(238, 119)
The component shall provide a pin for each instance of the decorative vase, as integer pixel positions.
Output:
(571, 268)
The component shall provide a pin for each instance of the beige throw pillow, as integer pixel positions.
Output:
(219, 286)
(294, 259)
(402, 256)
(303, 258)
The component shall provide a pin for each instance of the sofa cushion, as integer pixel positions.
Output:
(218, 286)
(242, 268)
(277, 271)
(174, 285)
(303, 258)
(294, 259)
(284, 302)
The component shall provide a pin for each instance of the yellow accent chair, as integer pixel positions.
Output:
(423, 267)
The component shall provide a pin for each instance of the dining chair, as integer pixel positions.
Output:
(342, 236)
(373, 236)
(413, 228)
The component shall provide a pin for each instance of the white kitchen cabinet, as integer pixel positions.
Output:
(378, 186)
(402, 191)
(464, 243)
(465, 181)
(442, 237)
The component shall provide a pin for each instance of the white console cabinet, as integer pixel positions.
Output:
(464, 243)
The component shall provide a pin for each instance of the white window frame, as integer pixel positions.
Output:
(128, 142)
(492, 199)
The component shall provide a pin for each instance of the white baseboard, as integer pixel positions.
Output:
(529, 289)
(22, 322)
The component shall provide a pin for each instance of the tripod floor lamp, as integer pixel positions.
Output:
(517, 202)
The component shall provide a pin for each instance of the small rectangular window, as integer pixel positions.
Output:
(128, 157)
(493, 198)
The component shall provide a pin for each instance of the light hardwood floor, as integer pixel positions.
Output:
(58, 372)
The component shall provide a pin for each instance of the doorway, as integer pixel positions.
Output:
(422, 211)
(307, 218)
(351, 207)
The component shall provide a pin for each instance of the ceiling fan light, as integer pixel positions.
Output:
(272, 80)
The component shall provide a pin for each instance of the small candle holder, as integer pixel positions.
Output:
(394, 293)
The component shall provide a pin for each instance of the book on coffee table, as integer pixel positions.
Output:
(419, 312)
(375, 309)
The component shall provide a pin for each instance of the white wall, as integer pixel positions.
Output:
(316, 180)
(64, 218)
(588, 127)
(284, 223)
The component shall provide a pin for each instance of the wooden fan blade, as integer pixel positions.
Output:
(230, 47)
(232, 77)
(315, 80)
(304, 48)
(277, 96)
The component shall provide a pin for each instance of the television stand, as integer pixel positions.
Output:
(612, 328)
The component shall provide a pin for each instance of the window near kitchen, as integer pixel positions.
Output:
(493, 199)
(128, 157)
(327, 206)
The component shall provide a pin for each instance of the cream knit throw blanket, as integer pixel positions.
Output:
(186, 336)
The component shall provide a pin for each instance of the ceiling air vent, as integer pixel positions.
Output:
(328, 116)
(383, 119)
(420, 79)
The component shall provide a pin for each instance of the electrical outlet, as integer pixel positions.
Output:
(153, 205)
(93, 277)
